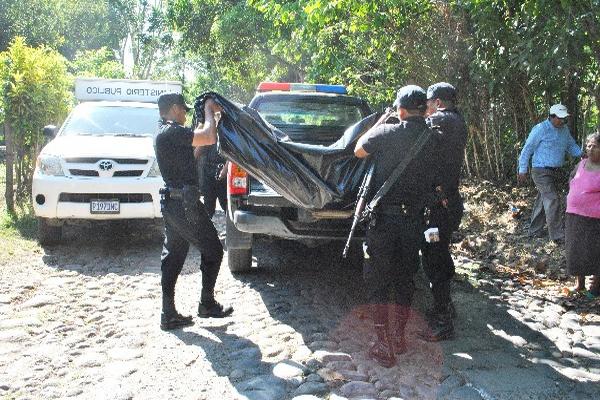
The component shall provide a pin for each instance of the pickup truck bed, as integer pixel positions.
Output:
(313, 118)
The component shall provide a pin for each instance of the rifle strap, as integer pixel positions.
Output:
(414, 151)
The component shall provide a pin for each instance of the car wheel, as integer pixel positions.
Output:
(239, 260)
(48, 233)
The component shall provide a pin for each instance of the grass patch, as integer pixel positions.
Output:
(18, 231)
(23, 224)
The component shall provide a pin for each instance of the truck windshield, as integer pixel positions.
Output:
(311, 113)
(98, 120)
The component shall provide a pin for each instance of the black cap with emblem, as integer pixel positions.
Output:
(166, 100)
(442, 91)
(411, 97)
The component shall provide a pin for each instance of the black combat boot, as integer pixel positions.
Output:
(170, 319)
(213, 309)
(438, 309)
(441, 327)
(382, 350)
(442, 301)
(401, 315)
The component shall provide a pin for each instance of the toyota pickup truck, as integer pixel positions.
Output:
(314, 114)
(100, 164)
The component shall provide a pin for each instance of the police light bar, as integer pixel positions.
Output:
(301, 87)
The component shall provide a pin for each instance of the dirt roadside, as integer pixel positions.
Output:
(80, 320)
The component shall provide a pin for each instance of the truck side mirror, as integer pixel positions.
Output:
(50, 132)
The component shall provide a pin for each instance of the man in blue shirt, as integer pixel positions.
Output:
(548, 143)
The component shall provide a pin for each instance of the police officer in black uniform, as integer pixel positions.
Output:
(185, 218)
(394, 237)
(212, 169)
(445, 214)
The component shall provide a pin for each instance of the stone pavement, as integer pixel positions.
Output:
(81, 321)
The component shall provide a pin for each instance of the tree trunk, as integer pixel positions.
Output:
(597, 98)
(9, 194)
(476, 159)
(466, 159)
(486, 147)
(572, 103)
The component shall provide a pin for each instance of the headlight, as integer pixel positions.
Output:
(49, 165)
(154, 170)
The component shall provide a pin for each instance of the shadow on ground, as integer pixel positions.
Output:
(127, 247)
(493, 354)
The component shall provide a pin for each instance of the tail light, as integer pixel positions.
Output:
(237, 180)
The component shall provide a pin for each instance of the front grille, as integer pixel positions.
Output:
(136, 172)
(83, 172)
(93, 160)
(122, 197)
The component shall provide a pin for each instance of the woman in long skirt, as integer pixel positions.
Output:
(582, 223)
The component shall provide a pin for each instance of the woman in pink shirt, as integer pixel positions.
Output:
(582, 224)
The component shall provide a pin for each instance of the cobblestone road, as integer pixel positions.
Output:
(81, 321)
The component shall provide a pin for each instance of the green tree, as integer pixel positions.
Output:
(372, 47)
(41, 26)
(146, 36)
(100, 63)
(231, 45)
(527, 55)
(65, 25)
(36, 91)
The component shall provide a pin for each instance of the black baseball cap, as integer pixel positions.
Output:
(166, 100)
(442, 91)
(411, 97)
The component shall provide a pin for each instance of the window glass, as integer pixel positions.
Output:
(319, 114)
(111, 120)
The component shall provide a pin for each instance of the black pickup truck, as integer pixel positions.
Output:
(314, 114)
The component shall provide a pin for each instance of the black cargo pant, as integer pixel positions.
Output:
(391, 261)
(182, 228)
(212, 188)
(437, 260)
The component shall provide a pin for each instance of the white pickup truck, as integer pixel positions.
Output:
(101, 165)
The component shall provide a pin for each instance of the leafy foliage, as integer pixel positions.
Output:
(65, 25)
(143, 26)
(97, 63)
(37, 91)
(232, 43)
(510, 59)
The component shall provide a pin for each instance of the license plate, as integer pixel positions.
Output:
(105, 207)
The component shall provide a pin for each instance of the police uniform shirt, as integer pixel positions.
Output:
(210, 154)
(388, 144)
(208, 166)
(450, 152)
(175, 154)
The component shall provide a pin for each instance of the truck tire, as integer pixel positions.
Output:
(239, 260)
(239, 247)
(48, 233)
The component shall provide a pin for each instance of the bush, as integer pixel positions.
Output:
(37, 92)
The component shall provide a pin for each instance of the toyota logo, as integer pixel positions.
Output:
(105, 165)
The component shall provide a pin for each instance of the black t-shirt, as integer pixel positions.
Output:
(210, 155)
(388, 145)
(175, 154)
(451, 151)
(210, 163)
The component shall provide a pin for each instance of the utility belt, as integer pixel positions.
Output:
(189, 196)
(188, 192)
(407, 210)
